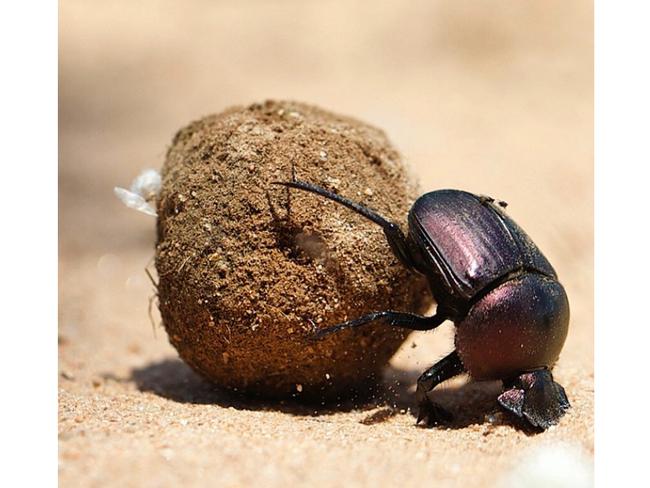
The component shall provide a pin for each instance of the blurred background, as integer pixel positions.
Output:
(491, 97)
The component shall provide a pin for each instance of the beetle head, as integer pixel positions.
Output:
(535, 397)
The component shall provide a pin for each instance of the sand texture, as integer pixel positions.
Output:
(493, 99)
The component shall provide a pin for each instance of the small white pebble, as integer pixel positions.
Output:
(368, 192)
(557, 465)
(333, 182)
(299, 388)
(323, 155)
(327, 376)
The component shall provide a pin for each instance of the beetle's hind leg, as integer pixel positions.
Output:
(446, 368)
(394, 235)
(402, 320)
(535, 397)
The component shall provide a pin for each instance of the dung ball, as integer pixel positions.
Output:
(248, 270)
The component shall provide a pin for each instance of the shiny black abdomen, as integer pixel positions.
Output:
(468, 243)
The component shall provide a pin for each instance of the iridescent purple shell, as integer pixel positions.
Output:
(469, 243)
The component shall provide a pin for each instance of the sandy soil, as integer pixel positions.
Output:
(492, 99)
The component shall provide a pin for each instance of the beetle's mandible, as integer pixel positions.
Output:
(489, 278)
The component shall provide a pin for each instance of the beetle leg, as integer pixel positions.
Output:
(395, 319)
(394, 235)
(446, 368)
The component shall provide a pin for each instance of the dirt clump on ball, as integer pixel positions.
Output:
(248, 271)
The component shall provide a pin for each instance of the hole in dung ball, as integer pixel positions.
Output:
(301, 246)
(312, 245)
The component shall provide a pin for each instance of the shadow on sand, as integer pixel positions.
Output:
(470, 403)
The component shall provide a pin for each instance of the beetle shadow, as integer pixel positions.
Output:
(470, 403)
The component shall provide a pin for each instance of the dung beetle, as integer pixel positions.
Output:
(489, 278)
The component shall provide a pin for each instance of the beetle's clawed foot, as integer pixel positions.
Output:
(321, 333)
(536, 398)
(431, 414)
(350, 324)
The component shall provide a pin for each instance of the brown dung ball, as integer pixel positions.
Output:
(249, 270)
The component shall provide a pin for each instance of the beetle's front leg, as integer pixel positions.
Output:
(446, 368)
(402, 320)
(394, 235)
(535, 397)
